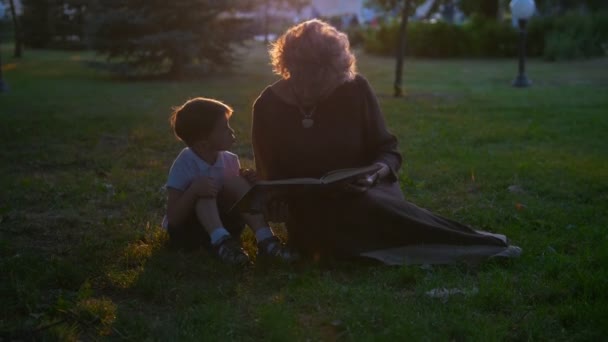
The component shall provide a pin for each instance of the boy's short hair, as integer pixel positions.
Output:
(194, 120)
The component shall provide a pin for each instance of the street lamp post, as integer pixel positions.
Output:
(522, 10)
(3, 86)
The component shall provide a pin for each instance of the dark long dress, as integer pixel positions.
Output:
(349, 131)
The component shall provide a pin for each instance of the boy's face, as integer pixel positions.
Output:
(222, 136)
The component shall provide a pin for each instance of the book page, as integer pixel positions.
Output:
(289, 181)
(255, 197)
(347, 174)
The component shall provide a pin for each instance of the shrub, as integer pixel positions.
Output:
(556, 37)
(382, 41)
(479, 37)
(490, 38)
(562, 45)
(437, 40)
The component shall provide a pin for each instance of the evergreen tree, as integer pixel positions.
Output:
(37, 20)
(488, 9)
(54, 23)
(157, 36)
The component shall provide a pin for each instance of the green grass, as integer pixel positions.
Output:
(84, 157)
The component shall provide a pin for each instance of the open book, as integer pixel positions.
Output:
(254, 198)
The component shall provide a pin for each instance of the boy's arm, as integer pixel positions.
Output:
(180, 204)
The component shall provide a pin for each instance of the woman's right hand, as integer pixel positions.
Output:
(205, 187)
(365, 183)
(361, 185)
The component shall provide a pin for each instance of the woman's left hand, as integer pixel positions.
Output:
(365, 183)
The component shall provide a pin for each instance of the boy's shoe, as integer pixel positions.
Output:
(230, 251)
(274, 248)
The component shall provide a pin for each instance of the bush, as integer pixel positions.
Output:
(558, 37)
(478, 38)
(570, 36)
(437, 40)
(490, 38)
(562, 45)
(381, 41)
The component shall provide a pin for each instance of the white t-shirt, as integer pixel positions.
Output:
(188, 166)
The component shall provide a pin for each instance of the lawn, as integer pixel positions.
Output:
(85, 156)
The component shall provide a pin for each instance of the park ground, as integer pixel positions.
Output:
(85, 155)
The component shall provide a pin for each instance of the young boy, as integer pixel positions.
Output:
(204, 180)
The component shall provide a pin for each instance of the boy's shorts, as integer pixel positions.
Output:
(193, 235)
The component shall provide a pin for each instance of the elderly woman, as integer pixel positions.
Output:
(321, 116)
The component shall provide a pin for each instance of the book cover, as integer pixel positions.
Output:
(254, 198)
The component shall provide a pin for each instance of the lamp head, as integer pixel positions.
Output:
(522, 9)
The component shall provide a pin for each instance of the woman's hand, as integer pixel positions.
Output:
(249, 175)
(205, 187)
(365, 183)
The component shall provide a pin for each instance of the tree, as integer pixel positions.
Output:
(156, 36)
(54, 23)
(17, 30)
(398, 85)
(405, 8)
(560, 6)
(3, 86)
(488, 9)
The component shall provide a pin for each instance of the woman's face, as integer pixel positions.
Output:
(310, 87)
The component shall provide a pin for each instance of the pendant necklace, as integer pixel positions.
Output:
(307, 120)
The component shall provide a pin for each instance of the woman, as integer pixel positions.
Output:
(323, 116)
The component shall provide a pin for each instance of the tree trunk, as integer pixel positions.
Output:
(3, 86)
(401, 49)
(18, 35)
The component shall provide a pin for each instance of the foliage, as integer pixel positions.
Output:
(82, 253)
(156, 36)
(395, 5)
(490, 38)
(6, 30)
(484, 8)
(553, 37)
(477, 38)
(563, 6)
(56, 23)
(570, 36)
(36, 29)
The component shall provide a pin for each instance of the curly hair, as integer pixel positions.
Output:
(313, 49)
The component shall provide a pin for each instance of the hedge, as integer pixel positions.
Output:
(557, 37)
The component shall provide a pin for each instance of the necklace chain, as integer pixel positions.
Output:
(309, 114)
(307, 120)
